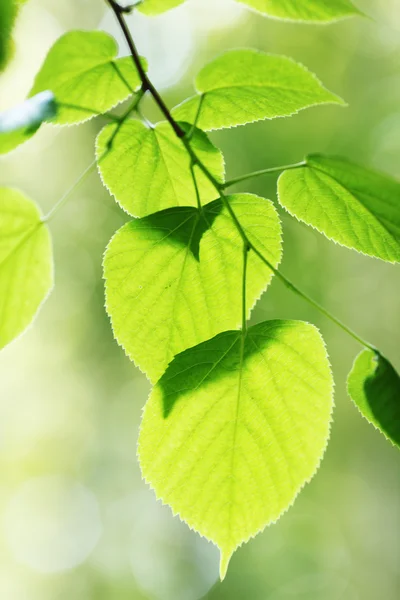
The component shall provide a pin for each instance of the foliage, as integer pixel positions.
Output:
(238, 419)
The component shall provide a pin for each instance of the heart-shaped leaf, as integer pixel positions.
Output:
(173, 279)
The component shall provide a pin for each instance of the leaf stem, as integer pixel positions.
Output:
(196, 187)
(246, 249)
(147, 85)
(263, 172)
(69, 192)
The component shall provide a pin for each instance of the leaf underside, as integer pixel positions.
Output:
(311, 11)
(231, 433)
(20, 123)
(26, 270)
(243, 86)
(173, 279)
(351, 205)
(148, 170)
(85, 75)
(374, 387)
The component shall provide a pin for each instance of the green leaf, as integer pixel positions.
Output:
(8, 14)
(311, 11)
(82, 71)
(26, 269)
(374, 387)
(351, 205)
(148, 170)
(155, 7)
(242, 86)
(230, 434)
(20, 123)
(173, 279)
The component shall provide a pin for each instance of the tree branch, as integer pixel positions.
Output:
(147, 85)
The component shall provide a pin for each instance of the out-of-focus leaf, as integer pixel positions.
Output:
(156, 7)
(20, 123)
(309, 11)
(26, 267)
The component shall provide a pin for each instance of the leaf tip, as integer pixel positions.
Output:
(225, 558)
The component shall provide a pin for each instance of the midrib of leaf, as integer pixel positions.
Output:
(235, 431)
(121, 76)
(277, 438)
(179, 280)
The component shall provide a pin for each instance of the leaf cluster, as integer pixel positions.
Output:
(238, 418)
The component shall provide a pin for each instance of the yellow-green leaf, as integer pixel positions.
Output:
(242, 86)
(173, 279)
(26, 269)
(148, 170)
(374, 387)
(309, 11)
(156, 7)
(85, 75)
(356, 207)
(235, 427)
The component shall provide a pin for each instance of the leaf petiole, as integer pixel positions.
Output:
(261, 172)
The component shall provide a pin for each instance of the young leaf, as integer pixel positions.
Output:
(26, 270)
(148, 170)
(353, 206)
(20, 123)
(235, 428)
(155, 7)
(311, 11)
(242, 86)
(374, 387)
(173, 279)
(82, 71)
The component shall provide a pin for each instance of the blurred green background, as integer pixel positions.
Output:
(76, 521)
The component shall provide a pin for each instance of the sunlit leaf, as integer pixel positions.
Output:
(20, 123)
(155, 7)
(173, 279)
(312, 11)
(26, 270)
(351, 205)
(149, 169)
(82, 71)
(374, 387)
(242, 86)
(232, 432)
